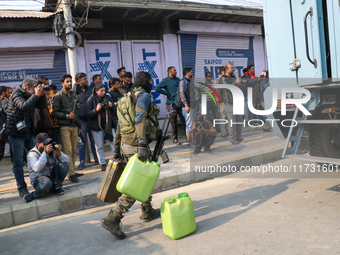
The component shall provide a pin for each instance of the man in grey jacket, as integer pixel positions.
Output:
(46, 168)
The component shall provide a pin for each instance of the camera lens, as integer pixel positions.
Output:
(46, 87)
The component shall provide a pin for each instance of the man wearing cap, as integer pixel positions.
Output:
(47, 167)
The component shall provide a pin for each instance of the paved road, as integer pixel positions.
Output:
(234, 216)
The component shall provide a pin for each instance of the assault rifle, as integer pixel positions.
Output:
(162, 137)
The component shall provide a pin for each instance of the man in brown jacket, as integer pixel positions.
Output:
(65, 110)
(202, 134)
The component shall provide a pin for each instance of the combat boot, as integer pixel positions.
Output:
(111, 223)
(148, 213)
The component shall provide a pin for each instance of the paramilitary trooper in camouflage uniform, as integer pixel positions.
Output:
(134, 132)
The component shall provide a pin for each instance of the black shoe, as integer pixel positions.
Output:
(28, 197)
(196, 151)
(79, 174)
(74, 178)
(241, 140)
(59, 191)
(23, 192)
(103, 167)
(207, 150)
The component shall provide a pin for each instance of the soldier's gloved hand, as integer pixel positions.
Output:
(142, 152)
(116, 154)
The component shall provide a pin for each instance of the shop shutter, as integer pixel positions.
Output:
(207, 53)
(16, 66)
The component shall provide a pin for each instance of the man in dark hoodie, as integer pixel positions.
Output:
(20, 128)
(84, 92)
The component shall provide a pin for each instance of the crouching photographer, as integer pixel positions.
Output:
(47, 167)
(202, 134)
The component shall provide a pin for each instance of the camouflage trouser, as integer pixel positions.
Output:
(125, 202)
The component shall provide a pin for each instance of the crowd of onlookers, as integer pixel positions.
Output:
(46, 127)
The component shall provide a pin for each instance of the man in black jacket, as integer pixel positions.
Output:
(20, 129)
(127, 85)
(113, 90)
(64, 108)
(83, 92)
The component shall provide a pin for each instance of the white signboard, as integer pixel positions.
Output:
(102, 57)
(148, 57)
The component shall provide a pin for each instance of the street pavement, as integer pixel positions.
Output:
(260, 148)
(235, 214)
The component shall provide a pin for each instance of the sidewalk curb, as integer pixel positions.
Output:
(77, 200)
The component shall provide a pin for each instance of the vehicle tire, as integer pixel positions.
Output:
(324, 140)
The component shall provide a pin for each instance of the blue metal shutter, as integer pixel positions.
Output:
(188, 51)
(15, 66)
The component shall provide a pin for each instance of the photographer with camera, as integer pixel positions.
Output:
(101, 113)
(20, 129)
(47, 167)
(202, 134)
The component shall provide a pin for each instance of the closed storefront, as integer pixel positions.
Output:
(16, 66)
(207, 53)
(205, 47)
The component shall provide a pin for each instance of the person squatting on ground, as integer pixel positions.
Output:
(169, 86)
(83, 92)
(20, 128)
(132, 138)
(101, 114)
(47, 167)
(202, 134)
(64, 108)
(235, 130)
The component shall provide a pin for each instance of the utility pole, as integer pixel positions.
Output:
(70, 40)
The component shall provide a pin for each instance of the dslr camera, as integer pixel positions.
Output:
(56, 146)
(104, 104)
(46, 87)
(198, 125)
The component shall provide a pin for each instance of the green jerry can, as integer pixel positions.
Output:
(138, 178)
(178, 216)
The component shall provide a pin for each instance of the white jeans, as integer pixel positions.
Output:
(98, 138)
(189, 118)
